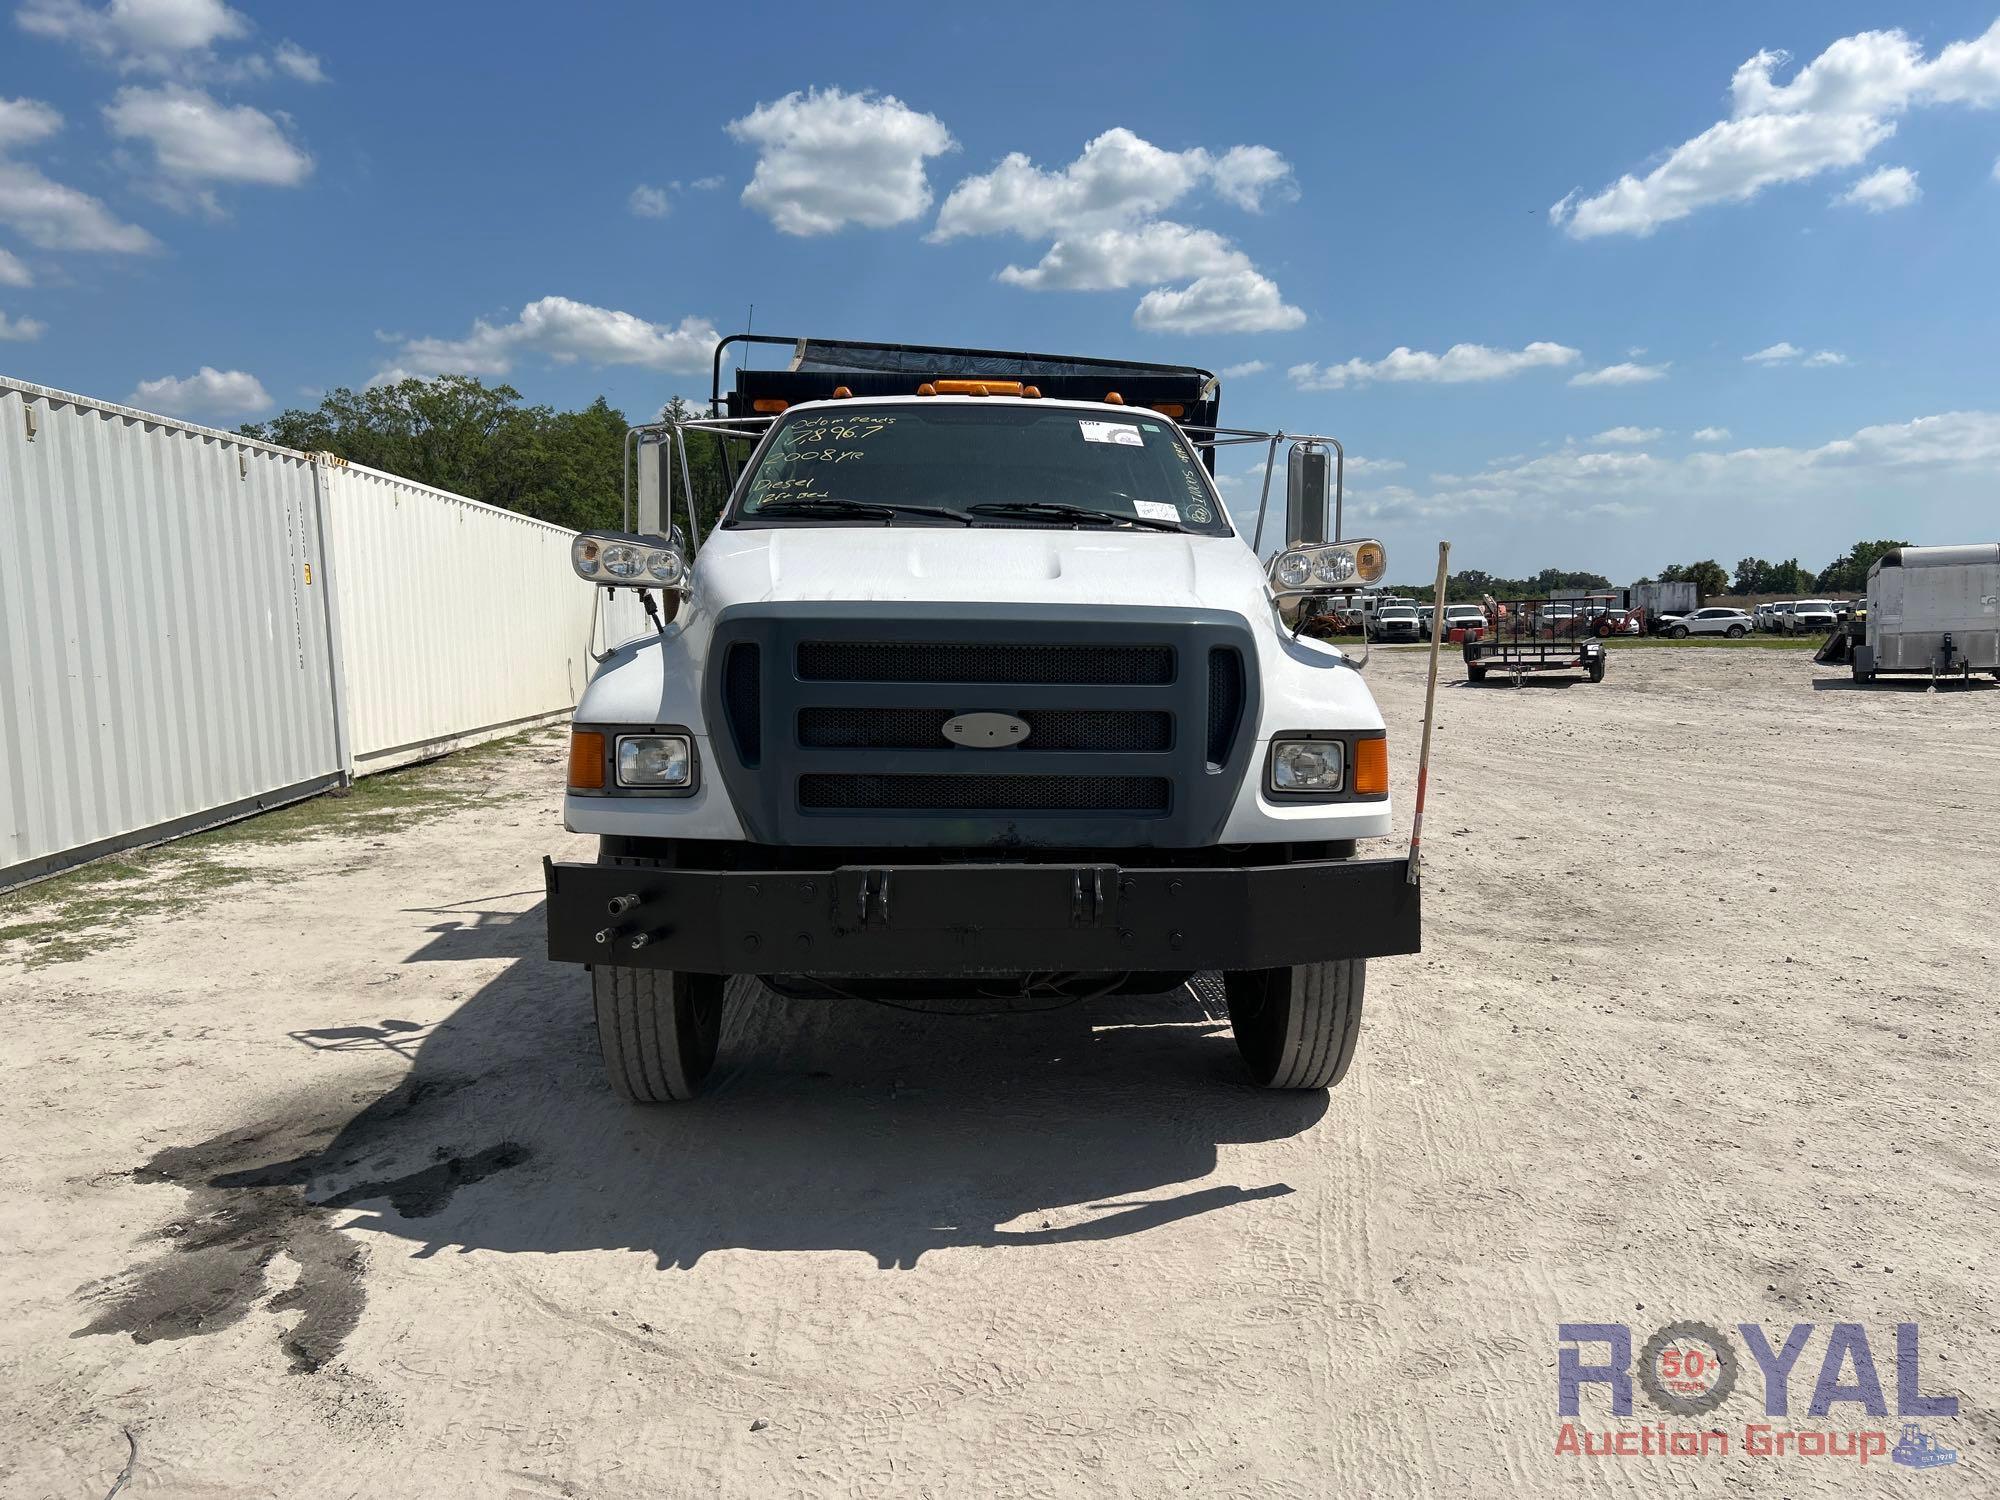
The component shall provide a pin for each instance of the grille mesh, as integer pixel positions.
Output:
(740, 700)
(1225, 702)
(1076, 729)
(953, 661)
(1127, 794)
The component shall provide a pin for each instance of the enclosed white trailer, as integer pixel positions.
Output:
(1934, 610)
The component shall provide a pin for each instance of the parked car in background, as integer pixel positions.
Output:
(1464, 622)
(1811, 617)
(1779, 610)
(1715, 620)
(1395, 622)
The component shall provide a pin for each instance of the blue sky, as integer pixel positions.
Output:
(1434, 230)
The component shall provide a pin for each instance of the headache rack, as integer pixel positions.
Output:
(816, 368)
(828, 369)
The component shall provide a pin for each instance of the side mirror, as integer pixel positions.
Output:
(1309, 493)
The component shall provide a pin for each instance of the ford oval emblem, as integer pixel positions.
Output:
(985, 731)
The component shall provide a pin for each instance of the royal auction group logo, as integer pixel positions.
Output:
(1691, 1370)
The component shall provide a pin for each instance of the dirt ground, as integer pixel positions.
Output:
(313, 1188)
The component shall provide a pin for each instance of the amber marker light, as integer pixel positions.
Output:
(586, 760)
(1371, 767)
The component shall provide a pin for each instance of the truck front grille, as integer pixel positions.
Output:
(959, 661)
(995, 794)
(1104, 731)
(831, 723)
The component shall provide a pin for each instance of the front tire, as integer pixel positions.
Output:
(1735, 632)
(1297, 1027)
(1597, 667)
(1678, 633)
(659, 1030)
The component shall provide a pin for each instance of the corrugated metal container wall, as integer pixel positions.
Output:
(164, 640)
(457, 621)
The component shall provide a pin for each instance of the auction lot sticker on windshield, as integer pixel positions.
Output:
(1123, 433)
(1155, 510)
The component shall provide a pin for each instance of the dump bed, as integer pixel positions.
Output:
(814, 369)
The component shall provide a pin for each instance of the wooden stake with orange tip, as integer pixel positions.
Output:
(1430, 708)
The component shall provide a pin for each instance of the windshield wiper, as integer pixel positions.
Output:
(874, 510)
(1056, 510)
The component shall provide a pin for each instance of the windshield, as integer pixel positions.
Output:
(954, 456)
(1399, 614)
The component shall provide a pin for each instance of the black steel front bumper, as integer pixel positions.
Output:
(913, 921)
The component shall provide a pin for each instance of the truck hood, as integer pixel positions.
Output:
(918, 564)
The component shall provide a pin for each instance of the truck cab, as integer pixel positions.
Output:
(973, 691)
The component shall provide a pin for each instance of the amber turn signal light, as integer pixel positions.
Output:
(1371, 767)
(586, 760)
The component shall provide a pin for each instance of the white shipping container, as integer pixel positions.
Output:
(165, 655)
(458, 622)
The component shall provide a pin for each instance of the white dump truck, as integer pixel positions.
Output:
(973, 693)
(1931, 610)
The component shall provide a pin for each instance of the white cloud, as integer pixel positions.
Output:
(706, 184)
(294, 60)
(1459, 363)
(1878, 192)
(828, 158)
(1832, 114)
(1962, 443)
(1245, 174)
(197, 140)
(24, 121)
(208, 394)
(1234, 302)
(135, 34)
(20, 329)
(1248, 367)
(1627, 373)
(51, 216)
(1107, 259)
(1711, 434)
(1786, 352)
(563, 331)
(1629, 435)
(1119, 179)
(648, 202)
(13, 272)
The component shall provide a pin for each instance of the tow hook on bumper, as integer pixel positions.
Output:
(913, 920)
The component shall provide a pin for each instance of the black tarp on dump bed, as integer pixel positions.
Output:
(810, 369)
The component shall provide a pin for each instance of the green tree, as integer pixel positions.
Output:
(1848, 573)
(457, 433)
(1751, 577)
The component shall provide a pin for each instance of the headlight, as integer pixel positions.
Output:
(1331, 566)
(1307, 766)
(654, 760)
(614, 559)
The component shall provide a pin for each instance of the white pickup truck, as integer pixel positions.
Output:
(974, 691)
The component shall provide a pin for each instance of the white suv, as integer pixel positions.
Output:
(1714, 621)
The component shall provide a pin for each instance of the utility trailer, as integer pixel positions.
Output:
(1532, 636)
(1931, 611)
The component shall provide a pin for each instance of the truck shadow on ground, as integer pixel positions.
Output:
(832, 1125)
